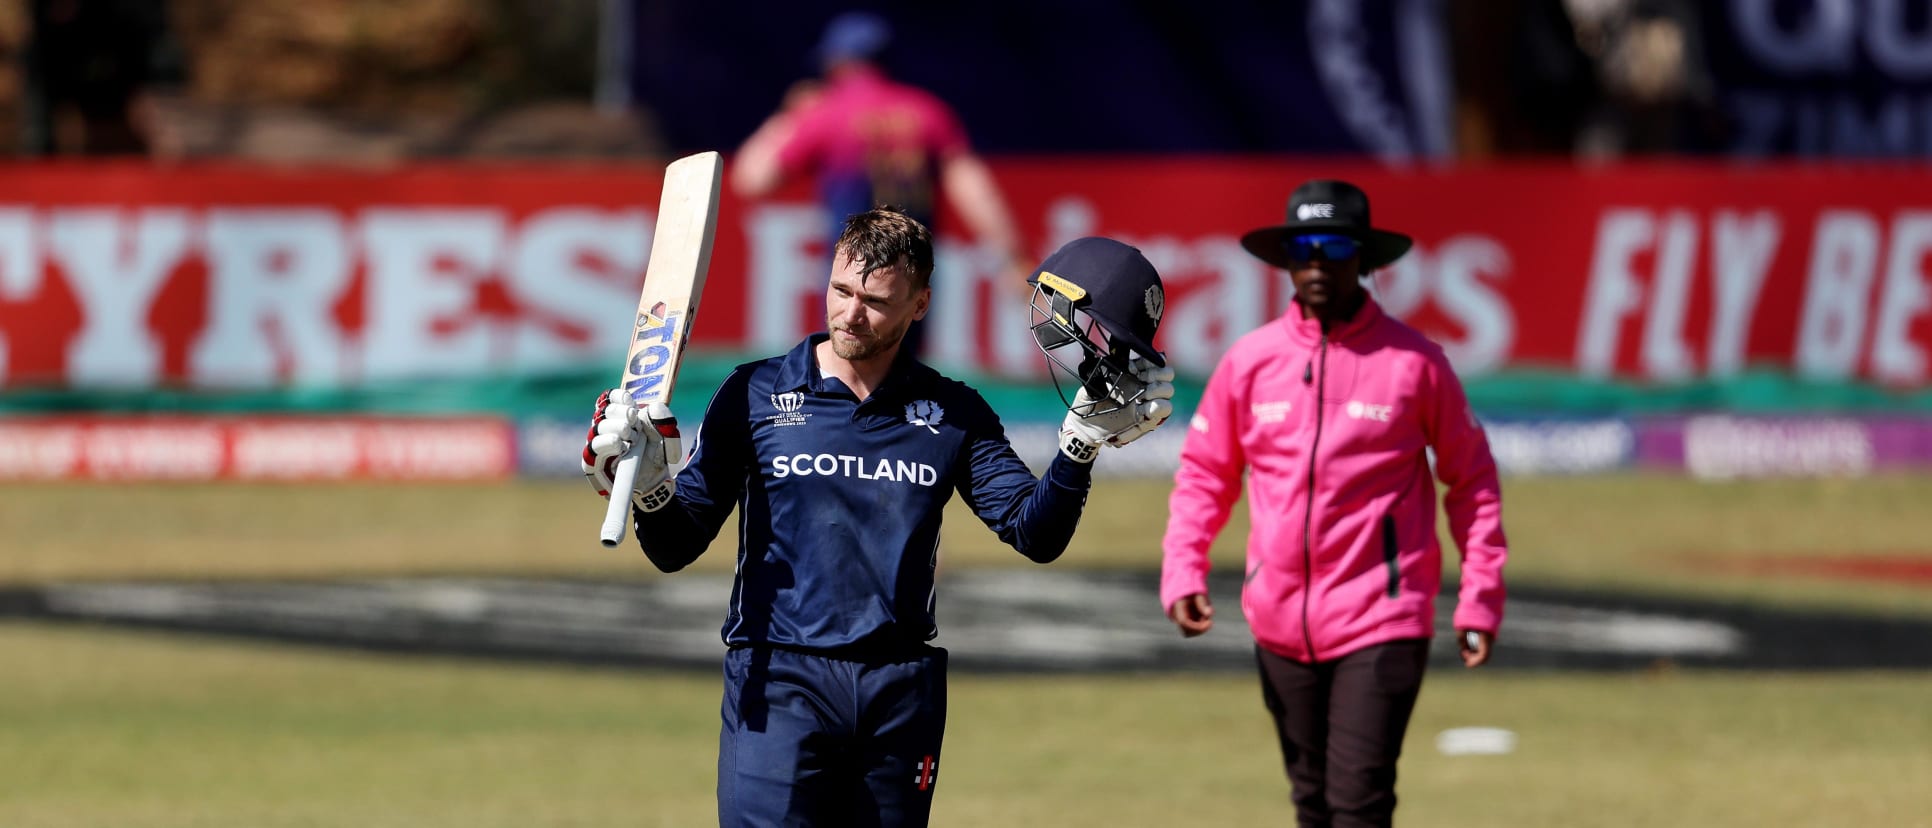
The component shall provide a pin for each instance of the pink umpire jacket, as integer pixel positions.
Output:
(1333, 432)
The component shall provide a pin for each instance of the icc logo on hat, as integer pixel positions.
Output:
(1315, 211)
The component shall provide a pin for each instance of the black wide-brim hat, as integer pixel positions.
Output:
(1327, 206)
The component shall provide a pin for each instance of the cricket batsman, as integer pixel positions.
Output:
(840, 457)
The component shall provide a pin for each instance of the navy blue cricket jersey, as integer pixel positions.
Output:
(840, 500)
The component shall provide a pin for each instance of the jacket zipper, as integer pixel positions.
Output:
(1308, 517)
(1389, 555)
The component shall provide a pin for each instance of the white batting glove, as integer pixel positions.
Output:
(615, 427)
(1081, 437)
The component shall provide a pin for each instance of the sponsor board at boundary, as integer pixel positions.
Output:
(1710, 446)
(308, 449)
(1722, 446)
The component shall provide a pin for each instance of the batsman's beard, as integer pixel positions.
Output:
(868, 344)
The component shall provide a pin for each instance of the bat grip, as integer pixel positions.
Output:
(617, 515)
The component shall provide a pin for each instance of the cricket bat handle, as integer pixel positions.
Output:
(617, 515)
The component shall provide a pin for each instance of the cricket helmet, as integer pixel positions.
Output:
(1095, 303)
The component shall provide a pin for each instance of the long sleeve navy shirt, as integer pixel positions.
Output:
(840, 500)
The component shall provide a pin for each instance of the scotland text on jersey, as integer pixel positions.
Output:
(848, 465)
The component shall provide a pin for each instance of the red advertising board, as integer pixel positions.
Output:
(130, 276)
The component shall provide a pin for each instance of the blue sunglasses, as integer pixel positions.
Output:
(1331, 248)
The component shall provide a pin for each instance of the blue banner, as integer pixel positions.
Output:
(1305, 76)
(1848, 78)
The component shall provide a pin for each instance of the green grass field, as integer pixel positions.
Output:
(126, 730)
(1644, 532)
(120, 729)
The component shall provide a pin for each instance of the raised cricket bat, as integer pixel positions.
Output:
(687, 219)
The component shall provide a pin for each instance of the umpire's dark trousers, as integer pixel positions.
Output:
(1341, 724)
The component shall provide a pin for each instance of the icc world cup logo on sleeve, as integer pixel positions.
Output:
(925, 413)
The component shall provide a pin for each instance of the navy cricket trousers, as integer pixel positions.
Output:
(1340, 724)
(810, 740)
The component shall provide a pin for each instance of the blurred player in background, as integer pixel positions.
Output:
(1330, 411)
(868, 140)
(840, 457)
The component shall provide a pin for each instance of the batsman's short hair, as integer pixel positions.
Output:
(885, 236)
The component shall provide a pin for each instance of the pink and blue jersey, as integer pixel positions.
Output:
(871, 141)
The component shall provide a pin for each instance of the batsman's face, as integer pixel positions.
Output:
(868, 314)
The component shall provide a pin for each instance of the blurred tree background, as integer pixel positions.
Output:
(347, 80)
